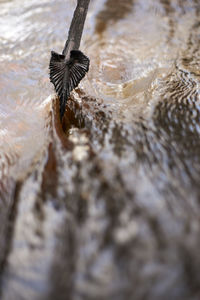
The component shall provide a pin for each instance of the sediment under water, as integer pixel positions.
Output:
(106, 207)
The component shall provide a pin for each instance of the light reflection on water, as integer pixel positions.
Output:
(26, 41)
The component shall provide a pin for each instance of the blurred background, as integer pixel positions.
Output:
(105, 206)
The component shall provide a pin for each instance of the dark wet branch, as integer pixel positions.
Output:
(69, 68)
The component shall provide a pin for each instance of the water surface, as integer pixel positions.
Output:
(106, 207)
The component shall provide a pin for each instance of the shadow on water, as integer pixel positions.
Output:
(109, 209)
(112, 12)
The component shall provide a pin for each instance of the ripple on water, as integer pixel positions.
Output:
(129, 58)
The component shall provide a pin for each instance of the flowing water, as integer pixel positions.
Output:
(105, 206)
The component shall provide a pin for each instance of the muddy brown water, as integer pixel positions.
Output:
(106, 207)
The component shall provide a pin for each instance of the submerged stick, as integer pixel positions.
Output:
(69, 68)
